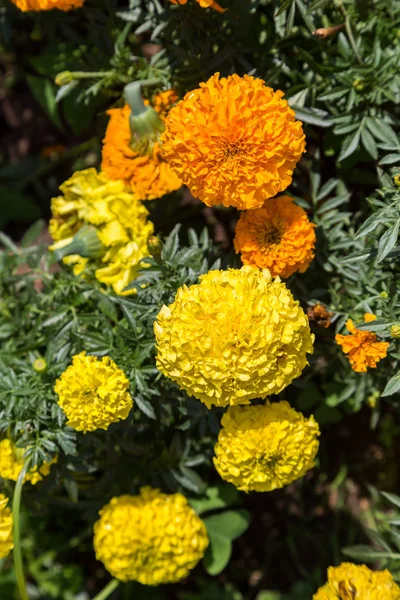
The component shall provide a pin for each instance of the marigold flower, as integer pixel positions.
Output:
(234, 141)
(353, 582)
(93, 393)
(12, 462)
(144, 170)
(120, 220)
(263, 448)
(320, 315)
(38, 5)
(278, 237)
(6, 526)
(235, 336)
(152, 538)
(203, 4)
(362, 346)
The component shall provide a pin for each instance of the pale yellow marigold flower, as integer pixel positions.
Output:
(39, 5)
(6, 526)
(233, 141)
(12, 462)
(93, 393)
(263, 448)
(152, 538)
(358, 582)
(119, 218)
(235, 336)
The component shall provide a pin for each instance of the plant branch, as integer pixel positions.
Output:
(105, 592)
(16, 506)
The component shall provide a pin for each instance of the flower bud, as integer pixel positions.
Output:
(40, 365)
(85, 243)
(64, 78)
(154, 245)
(396, 180)
(145, 124)
(395, 331)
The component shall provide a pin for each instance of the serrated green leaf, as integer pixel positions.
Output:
(392, 386)
(388, 241)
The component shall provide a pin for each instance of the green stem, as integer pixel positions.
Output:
(105, 592)
(349, 32)
(18, 564)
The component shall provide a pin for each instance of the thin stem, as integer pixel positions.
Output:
(105, 592)
(18, 564)
(349, 31)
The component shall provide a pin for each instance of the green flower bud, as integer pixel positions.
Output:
(85, 243)
(64, 78)
(40, 365)
(395, 331)
(145, 124)
(154, 245)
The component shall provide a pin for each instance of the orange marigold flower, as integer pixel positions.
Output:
(163, 101)
(320, 315)
(144, 170)
(362, 346)
(233, 141)
(204, 4)
(278, 237)
(37, 5)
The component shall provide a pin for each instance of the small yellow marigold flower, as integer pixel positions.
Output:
(235, 336)
(358, 582)
(278, 237)
(40, 365)
(234, 141)
(12, 462)
(396, 180)
(120, 219)
(146, 172)
(6, 526)
(38, 5)
(152, 538)
(93, 393)
(203, 4)
(362, 346)
(395, 331)
(263, 448)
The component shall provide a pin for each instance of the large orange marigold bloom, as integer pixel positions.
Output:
(362, 346)
(278, 237)
(144, 170)
(37, 5)
(204, 4)
(234, 141)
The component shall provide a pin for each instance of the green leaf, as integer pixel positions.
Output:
(171, 245)
(369, 554)
(313, 116)
(392, 386)
(350, 145)
(230, 524)
(382, 131)
(371, 223)
(32, 233)
(335, 93)
(388, 241)
(390, 159)
(369, 143)
(144, 406)
(393, 499)
(217, 554)
(219, 496)
(45, 93)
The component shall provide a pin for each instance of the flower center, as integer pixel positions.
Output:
(233, 149)
(347, 591)
(269, 236)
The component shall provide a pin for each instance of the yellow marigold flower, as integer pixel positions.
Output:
(204, 4)
(12, 462)
(362, 346)
(234, 141)
(235, 336)
(93, 393)
(152, 538)
(144, 170)
(38, 5)
(278, 237)
(6, 526)
(358, 582)
(263, 448)
(120, 219)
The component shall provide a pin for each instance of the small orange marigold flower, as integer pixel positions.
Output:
(233, 141)
(204, 4)
(278, 237)
(38, 5)
(362, 346)
(147, 173)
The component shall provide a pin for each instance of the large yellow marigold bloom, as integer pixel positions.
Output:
(146, 172)
(358, 582)
(235, 336)
(120, 219)
(93, 393)
(362, 347)
(203, 4)
(12, 462)
(234, 141)
(278, 237)
(6, 526)
(38, 5)
(263, 448)
(152, 538)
